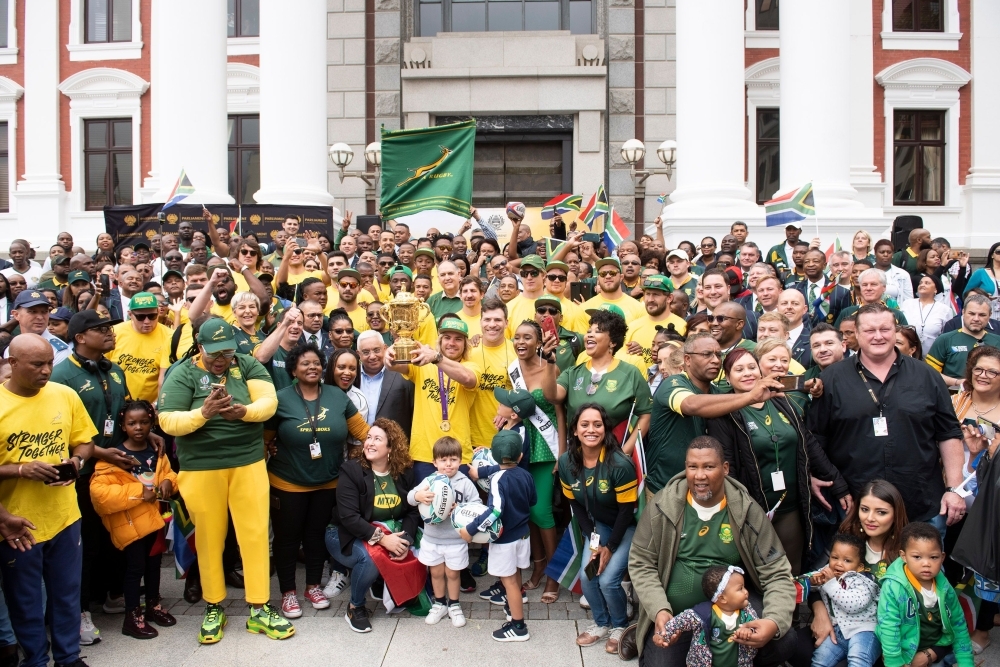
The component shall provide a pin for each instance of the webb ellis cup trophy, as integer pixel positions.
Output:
(404, 314)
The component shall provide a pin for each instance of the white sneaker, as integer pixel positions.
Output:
(583, 602)
(114, 605)
(457, 615)
(89, 634)
(437, 612)
(592, 635)
(337, 583)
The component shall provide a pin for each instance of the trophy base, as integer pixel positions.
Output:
(404, 348)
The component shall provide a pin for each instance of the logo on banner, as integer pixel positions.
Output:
(172, 218)
(255, 219)
(420, 172)
(150, 233)
(130, 220)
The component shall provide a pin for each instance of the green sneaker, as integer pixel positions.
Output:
(212, 624)
(268, 621)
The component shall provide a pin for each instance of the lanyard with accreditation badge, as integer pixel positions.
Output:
(880, 423)
(315, 452)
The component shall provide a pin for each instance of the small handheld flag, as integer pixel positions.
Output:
(561, 205)
(598, 207)
(791, 207)
(182, 188)
(615, 231)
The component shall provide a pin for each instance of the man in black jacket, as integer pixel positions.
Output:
(387, 391)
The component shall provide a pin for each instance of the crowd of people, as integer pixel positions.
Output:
(766, 453)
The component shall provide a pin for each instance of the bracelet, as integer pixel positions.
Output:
(376, 537)
(19, 470)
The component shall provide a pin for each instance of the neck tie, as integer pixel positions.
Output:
(313, 339)
(812, 293)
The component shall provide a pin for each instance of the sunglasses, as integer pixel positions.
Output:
(341, 332)
(707, 245)
(387, 264)
(608, 274)
(224, 354)
(595, 380)
(349, 285)
(142, 317)
(530, 273)
(297, 251)
(502, 262)
(548, 310)
(446, 248)
(250, 252)
(719, 319)
(104, 329)
(556, 278)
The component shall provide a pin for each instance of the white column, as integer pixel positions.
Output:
(191, 91)
(982, 185)
(711, 183)
(864, 177)
(41, 192)
(815, 39)
(293, 84)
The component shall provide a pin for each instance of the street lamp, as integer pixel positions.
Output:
(633, 151)
(342, 154)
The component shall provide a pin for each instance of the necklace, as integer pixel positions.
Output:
(984, 412)
(923, 318)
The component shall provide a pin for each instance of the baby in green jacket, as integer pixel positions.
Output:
(919, 618)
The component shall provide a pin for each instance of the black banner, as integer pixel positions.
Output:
(130, 224)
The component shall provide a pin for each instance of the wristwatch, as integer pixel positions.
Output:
(376, 537)
(437, 359)
(952, 489)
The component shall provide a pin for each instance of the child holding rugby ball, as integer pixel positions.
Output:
(441, 548)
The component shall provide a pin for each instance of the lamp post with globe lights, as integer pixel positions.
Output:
(342, 154)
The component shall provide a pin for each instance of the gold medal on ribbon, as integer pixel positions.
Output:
(446, 426)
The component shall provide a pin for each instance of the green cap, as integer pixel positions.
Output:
(658, 282)
(521, 402)
(171, 272)
(143, 301)
(79, 274)
(507, 447)
(216, 335)
(534, 261)
(424, 251)
(610, 307)
(608, 261)
(454, 324)
(562, 266)
(349, 273)
(399, 268)
(548, 300)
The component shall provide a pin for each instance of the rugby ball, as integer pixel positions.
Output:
(489, 530)
(483, 457)
(444, 499)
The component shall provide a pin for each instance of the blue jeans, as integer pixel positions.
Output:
(363, 570)
(58, 564)
(861, 650)
(605, 594)
(6, 630)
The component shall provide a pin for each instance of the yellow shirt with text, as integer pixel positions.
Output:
(642, 331)
(475, 328)
(632, 308)
(43, 427)
(427, 411)
(494, 362)
(142, 356)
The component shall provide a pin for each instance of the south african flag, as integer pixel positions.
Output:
(561, 205)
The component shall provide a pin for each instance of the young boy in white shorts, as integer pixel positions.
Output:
(442, 550)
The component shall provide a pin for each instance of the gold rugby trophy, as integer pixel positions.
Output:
(404, 314)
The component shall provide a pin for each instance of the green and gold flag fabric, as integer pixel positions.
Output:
(428, 168)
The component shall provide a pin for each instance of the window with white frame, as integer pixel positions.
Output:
(243, 18)
(107, 162)
(104, 30)
(920, 25)
(108, 21)
(4, 169)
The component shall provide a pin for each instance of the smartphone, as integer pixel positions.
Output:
(105, 284)
(549, 325)
(67, 472)
(954, 254)
(592, 567)
(792, 382)
(221, 388)
(581, 290)
(134, 461)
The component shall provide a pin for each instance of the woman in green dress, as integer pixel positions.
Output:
(535, 370)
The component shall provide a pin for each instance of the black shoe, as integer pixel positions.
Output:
(192, 591)
(627, 648)
(468, 582)
(75, 663)
(234, 579)
(9, 656)
(135, 625)
(357, 618)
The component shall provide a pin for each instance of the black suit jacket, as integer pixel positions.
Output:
(395, 400)
(114, 303)
(356, 501)
(840, 298)
(801, 352)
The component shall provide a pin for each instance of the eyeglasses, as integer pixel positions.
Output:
(312, 316)
(224, 354)
(104, 329)
(502, 262)
(988, 372)
(720, 319)
(608, 274)
(297, 251)
(556, 278)
(250, 252)
(707, 245)
(341, 332)
(530, 273)
(595, 380)
(142, 317)
(631, 262)
(548, 310)
(705, 355)
(387, 264)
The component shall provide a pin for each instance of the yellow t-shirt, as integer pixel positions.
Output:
(383, 291)
(295, 279)
(427, 411)
(333, 299)
(42, 428)
(494, 362)
(142, 356)
(475, 328)
(633, 309)
(359, 316)
(574, 317)
(225, 312)
(642, 332)
(519, 309)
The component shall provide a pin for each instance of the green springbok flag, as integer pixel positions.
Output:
(428, 169)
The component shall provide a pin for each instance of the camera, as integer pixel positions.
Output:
(987, 429)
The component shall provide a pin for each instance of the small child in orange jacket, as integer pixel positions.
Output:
(129, 504)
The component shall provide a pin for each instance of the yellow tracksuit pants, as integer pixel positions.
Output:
(210, 495)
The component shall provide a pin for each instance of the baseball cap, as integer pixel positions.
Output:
(562, 266)
(143, 301)
(521, 402)
(515, 209)
(454, 324)
(62, 313)
(79, 274)
(657, 282)
(507, 446)
(30, 299)
(608, 261)
(679, 254)
(610, 307)
(171, 272)
(88, 319)
(140, 244)
(60, 260)
(424, 251)
(795, 227)
(216, 335)
(533, 261)
(399, 268)
(264, 277)
(349, 273)
(548, 300)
